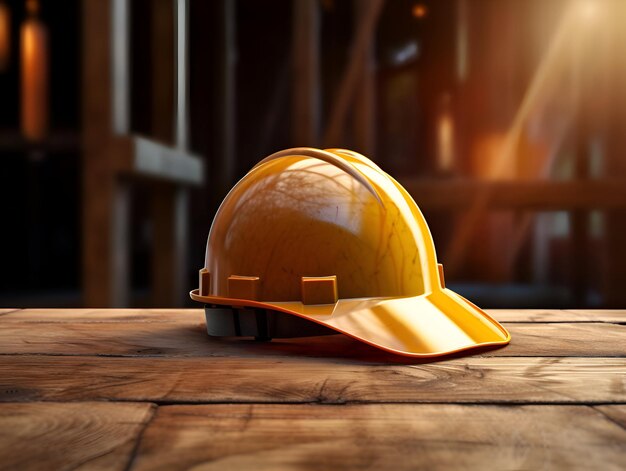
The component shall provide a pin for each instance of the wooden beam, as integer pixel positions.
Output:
(461, 194)
(345, 96)
(277, 103)
(306, 74)
(112, 156)
(67, 141)
(105, 198)
(120, 66)
(612, 93)
(365, 104)
(225, 96)
(181, 119)
(163, 51)
(169, 254)
(148, 158)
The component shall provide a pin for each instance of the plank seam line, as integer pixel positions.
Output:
(252, 357)
(606, 416)
(165, 403)
(199, 323)
(135, 451)
(102, 321)
(11, 312)
(395, 403)
(364, 363)
(570, 311)
(563, 322)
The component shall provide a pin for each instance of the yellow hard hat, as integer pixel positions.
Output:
(314, 241)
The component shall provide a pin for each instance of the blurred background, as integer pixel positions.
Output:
(124, 123)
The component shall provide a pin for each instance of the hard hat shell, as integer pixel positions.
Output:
(330, 237)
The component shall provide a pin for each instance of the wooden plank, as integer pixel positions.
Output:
(161, 15)
(395, 437)
(101, 315)
(616, 413)
(460, 194)
(187, 337)
(604, 315)
(92, 435)
(173, 315)
(575, 339)
(298, 380)
(8, 310)
(558, 315)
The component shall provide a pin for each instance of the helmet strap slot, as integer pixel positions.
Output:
(262, 324)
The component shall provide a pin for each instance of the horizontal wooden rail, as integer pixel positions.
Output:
(142, 157)
(458, 194)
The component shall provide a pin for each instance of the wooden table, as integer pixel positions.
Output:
(147, 389)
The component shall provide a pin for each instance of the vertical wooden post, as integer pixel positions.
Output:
(170, 217)
(306, 74)
(580, 217)
(579, 268)
(225, 164)
(613, 94)
(170, 202)
(120, 66)
(181, 117)
(105, 199)
(163, 50)
(365, 105)
(364, 37)
(120, 244)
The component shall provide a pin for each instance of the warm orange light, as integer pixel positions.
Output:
(420, 11)
(488, 151)
(34, 78)
(445, 141)
(5, 35)
(588, 10)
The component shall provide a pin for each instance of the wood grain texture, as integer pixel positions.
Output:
(557, 315)
(86, 435)
(101, 315)
(174, 315)
(187, 337)
(6, 311)
(223, 380)
(395, 437)
(617, 413)
(554, 398)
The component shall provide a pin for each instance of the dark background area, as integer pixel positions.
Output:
(454, 83)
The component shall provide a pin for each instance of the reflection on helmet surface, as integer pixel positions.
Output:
(299, 216)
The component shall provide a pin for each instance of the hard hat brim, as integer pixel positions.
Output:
(435, 324)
